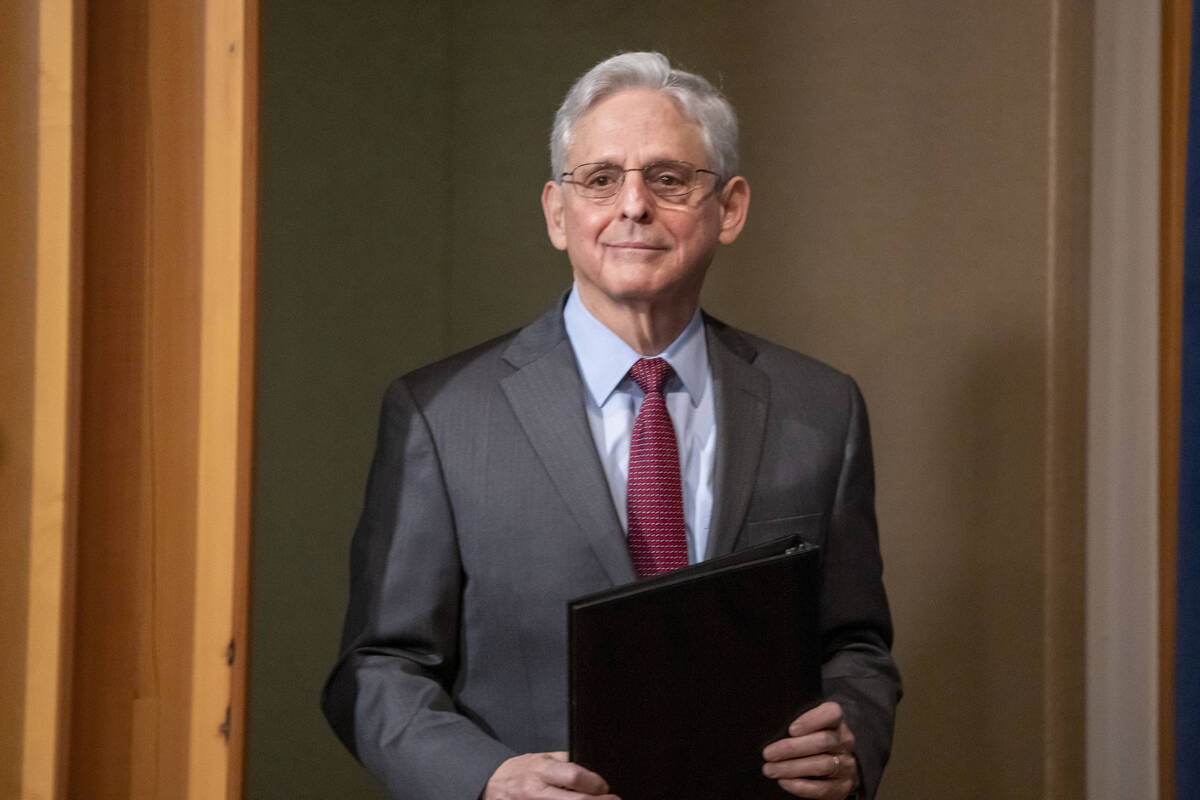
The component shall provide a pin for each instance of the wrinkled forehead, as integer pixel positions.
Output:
(637, 125)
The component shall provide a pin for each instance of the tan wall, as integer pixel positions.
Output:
(919, 218)
(914, 224)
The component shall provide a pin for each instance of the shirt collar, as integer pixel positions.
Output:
(604, 358)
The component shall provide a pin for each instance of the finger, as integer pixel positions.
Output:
(556, 793)
(825, 767)
(848, 741)
(568, 775)
(827, 715)
(816, 789)
(822, 741)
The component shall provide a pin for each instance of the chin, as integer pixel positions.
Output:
(647, 293)
(635, 285)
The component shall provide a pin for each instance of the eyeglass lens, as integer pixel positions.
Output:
(663, 178)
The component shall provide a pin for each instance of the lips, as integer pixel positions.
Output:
(634, 246)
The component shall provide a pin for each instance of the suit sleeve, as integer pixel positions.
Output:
(388, 697)
(858, 670)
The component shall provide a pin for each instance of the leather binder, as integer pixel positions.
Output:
(677, 682)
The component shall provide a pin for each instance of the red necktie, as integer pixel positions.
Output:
(657, 536)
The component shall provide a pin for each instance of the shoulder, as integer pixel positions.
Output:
(458, 379)
(787, 369)
(800, 392)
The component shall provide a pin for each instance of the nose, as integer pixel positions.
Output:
(635, 199)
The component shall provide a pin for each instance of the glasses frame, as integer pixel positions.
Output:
(681, 197)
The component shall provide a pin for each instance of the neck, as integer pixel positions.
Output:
(649, 327)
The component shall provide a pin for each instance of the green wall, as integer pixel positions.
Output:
(404, 150)
(906, 160)
(352, 291)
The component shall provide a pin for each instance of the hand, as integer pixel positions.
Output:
(544, 776)
(817, 758)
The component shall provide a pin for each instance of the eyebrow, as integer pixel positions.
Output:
(610, 163)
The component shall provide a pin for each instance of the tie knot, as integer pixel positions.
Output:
(651, 374)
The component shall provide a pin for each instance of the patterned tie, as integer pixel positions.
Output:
(657, 536)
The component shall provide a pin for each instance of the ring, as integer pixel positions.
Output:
(837, 765)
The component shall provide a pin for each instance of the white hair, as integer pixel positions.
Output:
(697, 99)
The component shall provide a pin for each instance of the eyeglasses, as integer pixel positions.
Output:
(668, 180)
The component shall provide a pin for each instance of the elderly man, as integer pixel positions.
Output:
(622, 434)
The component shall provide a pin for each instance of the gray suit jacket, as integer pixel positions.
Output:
(487, 510)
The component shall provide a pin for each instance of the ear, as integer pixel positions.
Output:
(735, 203)
(552, 207)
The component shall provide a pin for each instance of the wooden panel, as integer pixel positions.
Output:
(226, 326)
(112, 380)
(243, 459)
(52, 522)
(138, 431)
(164, 430)
(1176, 57)
(18, 176)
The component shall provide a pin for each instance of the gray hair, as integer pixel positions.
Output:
(698, 99)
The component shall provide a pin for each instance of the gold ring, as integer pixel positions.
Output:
(837, 765)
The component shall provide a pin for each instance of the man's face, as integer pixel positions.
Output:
(636, 249)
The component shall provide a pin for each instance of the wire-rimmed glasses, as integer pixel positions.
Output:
(669, 180)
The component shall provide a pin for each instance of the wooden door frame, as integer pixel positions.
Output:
(178, 276)
(1176, 63)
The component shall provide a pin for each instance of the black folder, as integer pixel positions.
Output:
(678, 682)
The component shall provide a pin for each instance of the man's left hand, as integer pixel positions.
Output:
(817, 758)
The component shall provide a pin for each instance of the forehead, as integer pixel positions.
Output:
(636, 125)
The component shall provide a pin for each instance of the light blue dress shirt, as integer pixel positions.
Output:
(613, 400)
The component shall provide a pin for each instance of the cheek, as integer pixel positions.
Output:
(702, 232)
(583, 220)
(581, 241)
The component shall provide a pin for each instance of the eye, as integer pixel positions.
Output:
(601, 177)
(669, 176)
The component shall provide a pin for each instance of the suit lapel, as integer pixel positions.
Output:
(546, 395)
(742, 394)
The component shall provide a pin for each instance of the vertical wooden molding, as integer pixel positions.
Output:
(1176, 59)
(244, 461)
(165, 424)
(225, 347)
(1067, 248)
(138, 340)
(52, 522)
(19, 138)
(139, 402)
(1123, 406)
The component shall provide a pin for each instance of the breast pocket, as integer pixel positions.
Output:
(810, 527)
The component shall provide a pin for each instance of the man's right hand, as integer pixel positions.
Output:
(544, 776)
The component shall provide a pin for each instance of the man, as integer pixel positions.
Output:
(503, 483)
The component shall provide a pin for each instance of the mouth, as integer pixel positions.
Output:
(634, 246)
